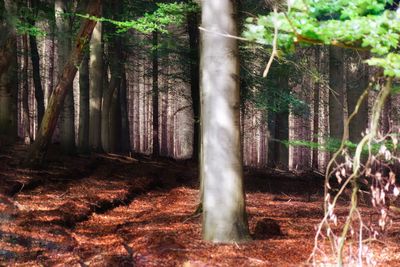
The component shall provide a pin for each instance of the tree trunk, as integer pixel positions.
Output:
(336, 94)
(224, 214)
(164, 123)
(39, 94)
(67, 125)
(8, 76)
(317, 88)
(108, 94)
(25, 90)
(282, 128)
(115, 122)
(357, 82)
(83, 136)
(156, 143)
(194, 80)
(125, 137)
(95, 88)
(38, 150)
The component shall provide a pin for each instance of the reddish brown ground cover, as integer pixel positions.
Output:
(108, 210)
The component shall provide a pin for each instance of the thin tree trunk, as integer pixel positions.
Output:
(195, 80)
(125, 137)
(115, 122)
(281, 154)
(38, 150)
(25, 90)
(39, 95)
(336, 94)
(83, 136)
(109, 93)
(156, 143)
(8, 76)
(95, 88)
(164, 131)
(67, 124)
(357, 82)
(224, 214)
(316, 112)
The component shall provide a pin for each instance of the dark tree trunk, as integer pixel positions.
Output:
(336, 94)
(39, 95)
(125, 138)
(357, 82)
(8, 75)
(37, 80)
(25, 90)
(67, 119)
(317, 88)
(194, 80)
(37, 151)
(156, 143)
(108, 94)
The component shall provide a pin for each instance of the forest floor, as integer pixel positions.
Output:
(109, 210)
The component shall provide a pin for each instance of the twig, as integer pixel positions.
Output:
(274, 47)
(224, 34)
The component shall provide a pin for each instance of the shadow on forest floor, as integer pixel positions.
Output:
(110, 210)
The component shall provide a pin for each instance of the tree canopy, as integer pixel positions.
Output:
(361, 24)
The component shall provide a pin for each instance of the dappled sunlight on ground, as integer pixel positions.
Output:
(117, 211)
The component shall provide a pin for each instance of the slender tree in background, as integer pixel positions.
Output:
(95, 87)
(111, 91)
(24, 80)
(316, 101)
(125, 140)
(155, 95)
(8, 73)
(193, 32)
(357, 82)
(83, 133)
(336, 93)
(64, 29)
(38, 150)
(224, 215)
(37, 80)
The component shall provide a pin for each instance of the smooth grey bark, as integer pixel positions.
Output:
(224, 214)
(357, 83)
(95, 88)
(336, 93)
(8, 74)
(67, 123)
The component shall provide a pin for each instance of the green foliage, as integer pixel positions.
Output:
(390, 63)
(361, 24)
(165, 14)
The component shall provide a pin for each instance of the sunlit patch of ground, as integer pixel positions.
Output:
(122, 212)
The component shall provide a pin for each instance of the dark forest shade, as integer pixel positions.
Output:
(8, 74)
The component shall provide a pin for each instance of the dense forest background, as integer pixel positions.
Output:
(250, 114)
(138, 92)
